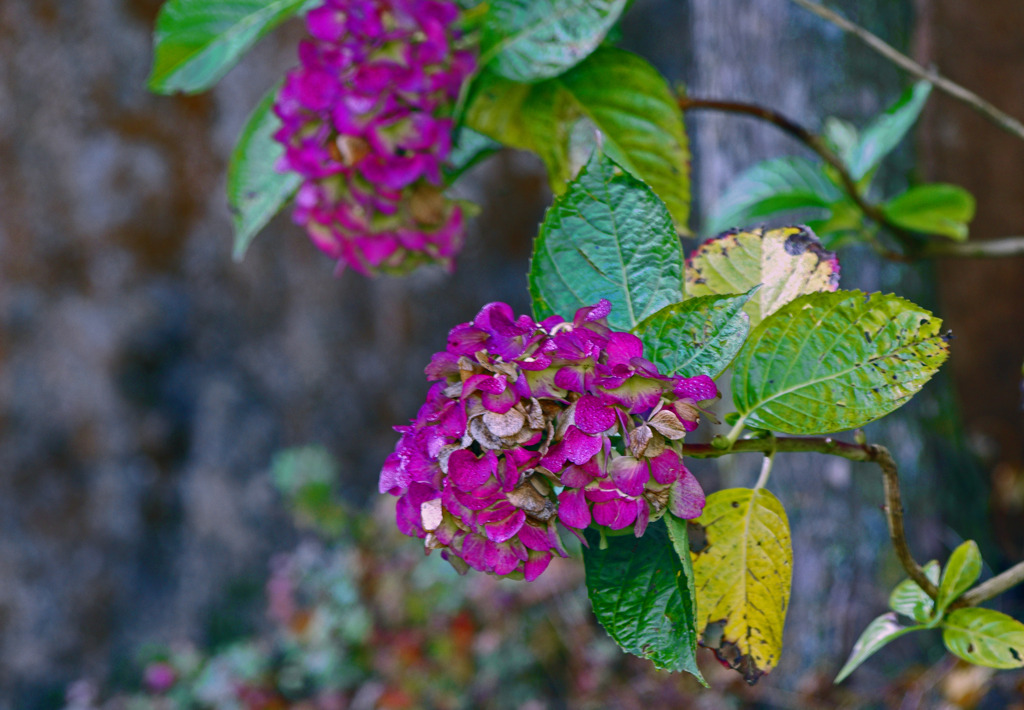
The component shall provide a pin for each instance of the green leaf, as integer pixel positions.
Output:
(614, 92)
(886, 131)
(469, 149)
(828, 362)
(635, 587)
(841, 136)
(699, 336)
(962, 570)
(743, 571)
(787, 262)
(530, 40)
(772, 187)
(877, 634)
(910, 600)
(256, 191)
(984, 637)
(197, 41)
(933, 209)
(609, 237)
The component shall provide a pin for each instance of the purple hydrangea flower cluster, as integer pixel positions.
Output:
(532, 423)
(365, 122)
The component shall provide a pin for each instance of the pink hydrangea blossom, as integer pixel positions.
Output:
(365, 120)
(532, 424)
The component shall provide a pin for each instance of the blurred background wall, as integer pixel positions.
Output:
(146, 379)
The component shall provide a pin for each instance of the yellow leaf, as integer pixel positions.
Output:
(789, 262)
(742, 565)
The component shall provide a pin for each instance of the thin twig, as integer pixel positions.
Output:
(815, 143)
(987, 248)
(1005, 121)
(854, 452)
(995, 586)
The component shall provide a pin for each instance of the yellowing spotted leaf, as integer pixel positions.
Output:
(742, 566)
(788, 262)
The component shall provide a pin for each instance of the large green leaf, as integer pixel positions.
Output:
(985, 637)
(787, 262)
(828, 362)
(933, 209)
(772, 187)
(256, 191)
(197, 41)
(962, 570)
(910, 600)
(636, 588)
(614, 92)
(699, 336)
(743, 572)
(530, 40)
(886, 131)
(609, 237)
(877, 634)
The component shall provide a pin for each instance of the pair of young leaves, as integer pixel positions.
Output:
(980, 636)
(805, 357)
(812, 190)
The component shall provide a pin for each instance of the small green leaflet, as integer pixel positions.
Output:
(531, 40)
(609, 237)
(878, 633)
(910, 600)
(829, 362)
(197, 41)
(613, 92)
(884, 133)
(962, 570)
(699, 336)
(769, 188)
(984, 637)
(936, 208)
(256, 191)
(636, 588)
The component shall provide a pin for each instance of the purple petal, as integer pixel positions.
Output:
(615, 514)
(580, 448)
(578, 476)
(593, 415)
(535, 538)
(623, 347)
(667, 467)
(686, 497)
(394, 478)
(629, 474)
(506, 528)
(537, 563)
(573, 510)
(643, 516)
(699, 388)
(467, 471)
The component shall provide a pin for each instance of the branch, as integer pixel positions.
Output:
(995, 586)
(1005, 121)
(815, 143)
(854, 452)
(986, 248)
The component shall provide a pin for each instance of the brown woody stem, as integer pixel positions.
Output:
(854, 452)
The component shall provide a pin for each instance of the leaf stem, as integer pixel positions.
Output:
(766, 470)
(1002, 119)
